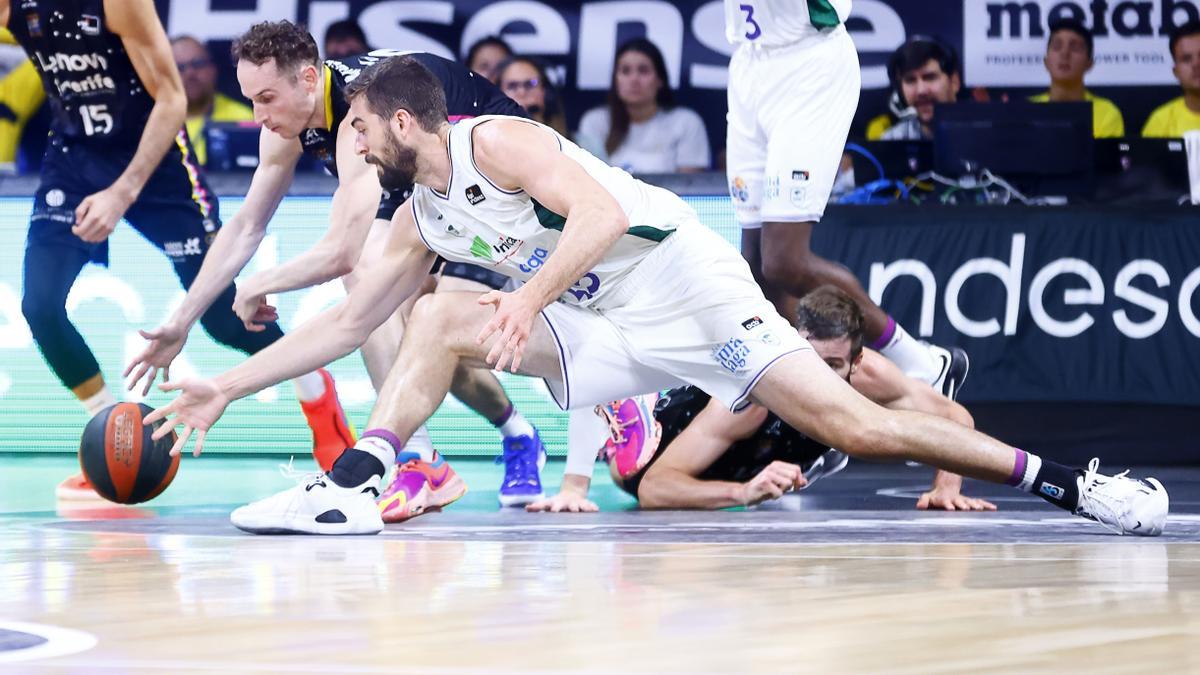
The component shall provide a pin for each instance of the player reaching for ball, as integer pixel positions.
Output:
(635, 295)
(118, 149)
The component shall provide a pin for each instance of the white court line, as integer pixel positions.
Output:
(177, 665)
(59, 642)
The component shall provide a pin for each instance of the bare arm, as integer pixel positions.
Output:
(136, 23)
(673, 482)
(233, 246)
(351, 213)
(342, 328)
(594, 220)
(238, 239)
(881, 381)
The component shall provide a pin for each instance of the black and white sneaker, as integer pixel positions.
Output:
(824, 466)
(953, 366)
(315, 506)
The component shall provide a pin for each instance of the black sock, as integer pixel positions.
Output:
(355, 467)
(1058, 485)
(1053, 482)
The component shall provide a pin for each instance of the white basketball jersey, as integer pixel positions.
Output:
(479, 223)
(774, 23)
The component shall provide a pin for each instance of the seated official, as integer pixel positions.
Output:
(1173, 119)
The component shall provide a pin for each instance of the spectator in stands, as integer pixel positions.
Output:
(641, 129)
(486, 54)
(21, 95)
(924, 72)
(524, 80)
(345, 38)
(1172, 119)
(1068, 57)
(204, 103)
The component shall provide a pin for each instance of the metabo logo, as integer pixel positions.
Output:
(1004, 41)
(1058, 295)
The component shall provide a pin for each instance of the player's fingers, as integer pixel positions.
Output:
(988, 506)
(499, 348)
(150, 334)
(535, 506)
(518, 355)
(163, 429)
(199, 442)
(948, 505)
(923, 502)
(156, 415)
(181, 441)
(590, 506)
(149, 381)
(490, 298)
(170, 385)
(510, 352)
(136, 378)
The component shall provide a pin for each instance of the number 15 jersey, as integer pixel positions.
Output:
(95, 93)
(775, 23)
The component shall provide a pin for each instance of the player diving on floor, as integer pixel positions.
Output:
(635, 295)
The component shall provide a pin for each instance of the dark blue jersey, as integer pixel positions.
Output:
(95, 94)
(467, 95)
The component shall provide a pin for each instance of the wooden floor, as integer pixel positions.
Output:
(857, 585)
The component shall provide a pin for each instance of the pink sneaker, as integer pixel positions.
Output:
(634, 433)
(419, 486)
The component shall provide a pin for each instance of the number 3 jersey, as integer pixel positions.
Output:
(95, 93)
(510, 232)
(775, 23)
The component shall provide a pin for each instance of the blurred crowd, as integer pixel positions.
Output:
(640, 127)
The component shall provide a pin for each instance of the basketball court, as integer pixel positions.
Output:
(845, 577)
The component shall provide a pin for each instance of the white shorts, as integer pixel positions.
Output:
(690, 313)
(790, 110)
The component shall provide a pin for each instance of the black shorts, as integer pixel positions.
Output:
(489, 278)
(176, 211)
(773, 441)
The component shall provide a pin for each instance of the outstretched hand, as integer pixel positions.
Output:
(199, 405)
(166, 342)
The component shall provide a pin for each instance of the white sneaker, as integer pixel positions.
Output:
(1122, 504)
(952, 368)
(315, 506)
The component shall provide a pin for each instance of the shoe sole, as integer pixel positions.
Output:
(456, 487)
(328, 529)
(509, 501)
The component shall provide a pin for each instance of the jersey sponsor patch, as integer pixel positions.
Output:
(732, 355)
(752, 323)
(474, 195)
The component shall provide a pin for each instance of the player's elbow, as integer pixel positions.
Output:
(342, 261)
(350, 327)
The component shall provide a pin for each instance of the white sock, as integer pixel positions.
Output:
(910, 356)
(309, 387)
(420, 443)
(515, 425)
(98, 401)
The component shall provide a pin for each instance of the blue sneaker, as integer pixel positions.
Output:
(524, 457)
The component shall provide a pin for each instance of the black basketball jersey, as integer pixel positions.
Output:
(467, 95)
(773, 441)
(95, 94)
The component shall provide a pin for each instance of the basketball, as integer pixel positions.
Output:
(120, 459)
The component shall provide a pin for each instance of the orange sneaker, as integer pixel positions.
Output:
(77, 488)
(331, 430)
